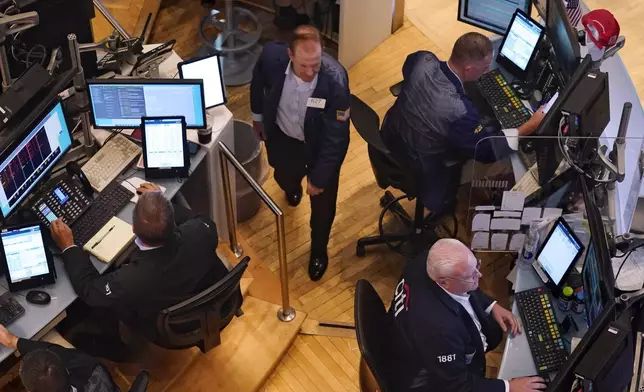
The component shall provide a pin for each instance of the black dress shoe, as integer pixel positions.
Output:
(294, 198)
(317, 266)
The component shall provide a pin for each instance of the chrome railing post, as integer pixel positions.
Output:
(286, 312)
(111, 20)
(235, 247)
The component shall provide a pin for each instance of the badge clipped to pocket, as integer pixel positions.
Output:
(469, 357)
(343, 115)
(317, 103)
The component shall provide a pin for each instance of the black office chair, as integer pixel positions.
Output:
(390, 171)
(198, 321)
(141, 382)
(374, 330)
(101, 381)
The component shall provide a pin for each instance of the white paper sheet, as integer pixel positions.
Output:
(485, 208)
(516, 242)
(505, 224)
(507, 214)
(512, 201)
(530, 214)
(499, 241)
(551, 213)
(632, 275)
(134, 182)
(481, 222)
(480, 240)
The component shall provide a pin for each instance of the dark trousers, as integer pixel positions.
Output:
(291, 161)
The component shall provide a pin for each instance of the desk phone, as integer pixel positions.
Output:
(65, 200)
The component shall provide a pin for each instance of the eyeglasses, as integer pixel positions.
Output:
(477, 274)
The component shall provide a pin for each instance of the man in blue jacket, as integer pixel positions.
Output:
(299, 97)
(444, 324)
(433, 120)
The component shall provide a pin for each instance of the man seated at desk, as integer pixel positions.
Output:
(444, 324)
(48, 367)
(433, 120)
(176, 259)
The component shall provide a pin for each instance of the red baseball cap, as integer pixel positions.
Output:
(601, 27)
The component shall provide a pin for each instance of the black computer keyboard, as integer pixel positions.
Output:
(541, 329)
(10, 309)
(507, 105)
(108, 203)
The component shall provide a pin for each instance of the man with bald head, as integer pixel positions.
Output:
(444, 324)
(175, 258)
(299, 97)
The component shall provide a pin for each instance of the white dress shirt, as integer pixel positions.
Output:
(464, 301)
(291, 110)
(143, 246)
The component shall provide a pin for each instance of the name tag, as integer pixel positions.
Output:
(318, 103)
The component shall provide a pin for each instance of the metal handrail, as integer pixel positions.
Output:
(286, 312)
(111, 20)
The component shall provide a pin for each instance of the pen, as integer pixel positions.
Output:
(103, 237)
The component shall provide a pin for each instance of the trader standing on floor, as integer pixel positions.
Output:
(433, 120)
(444, 324)
(299, 97)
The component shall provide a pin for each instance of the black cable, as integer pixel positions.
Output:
(117, 132)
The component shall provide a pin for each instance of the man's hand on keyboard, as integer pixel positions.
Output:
(147, 187)
(62, 234)
(8, 339)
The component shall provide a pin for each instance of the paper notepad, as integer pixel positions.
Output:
(110, 240)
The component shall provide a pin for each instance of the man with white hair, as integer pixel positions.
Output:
(444, 324)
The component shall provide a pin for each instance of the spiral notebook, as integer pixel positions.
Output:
(111, 240)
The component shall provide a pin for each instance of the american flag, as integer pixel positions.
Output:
(574, 11)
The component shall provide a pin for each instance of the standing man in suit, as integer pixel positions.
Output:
(299, 97)
(444, 324)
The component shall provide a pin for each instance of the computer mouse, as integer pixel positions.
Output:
(38, 297)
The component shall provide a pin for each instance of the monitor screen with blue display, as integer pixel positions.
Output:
(23, 165)
(559, 251)
(491, 15)
(521, 41)
(120, 103)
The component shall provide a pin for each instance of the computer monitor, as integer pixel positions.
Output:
(120, 103)
(563, 38)
(491, 15)
(520, 44)
(209, 70)
(29, 158)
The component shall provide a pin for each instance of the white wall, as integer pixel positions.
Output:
(364, 24)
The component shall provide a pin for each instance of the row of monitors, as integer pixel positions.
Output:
(120, 103)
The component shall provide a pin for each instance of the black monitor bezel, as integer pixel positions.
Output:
(472, 21)
(505, 62)
(34, 281)
(170, 172)
(570, 31)
(16, 141)
(221, 76)
(91, 82)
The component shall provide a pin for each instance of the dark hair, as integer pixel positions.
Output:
(305, 33)
(43, 370)
(471, 47)
(153, 219)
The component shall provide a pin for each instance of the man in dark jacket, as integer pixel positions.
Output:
(299, 97)
(48, 367)
(176, 259)
(433, 121)
(444, 324)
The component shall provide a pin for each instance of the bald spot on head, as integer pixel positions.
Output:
(153, 219)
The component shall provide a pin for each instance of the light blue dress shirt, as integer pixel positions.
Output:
(291, 110)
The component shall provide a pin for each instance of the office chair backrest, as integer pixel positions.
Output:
(387, 168)
(100, 380)
(141, 382)
(374, 329)
(197, 321)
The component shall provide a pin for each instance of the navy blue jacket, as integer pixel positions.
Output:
(326, 131)
(433, 121)
(437, 344)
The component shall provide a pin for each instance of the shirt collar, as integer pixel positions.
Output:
(456, 297)
(455, 75)
(143, 246)
(310, 85)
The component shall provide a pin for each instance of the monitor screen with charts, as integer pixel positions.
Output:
(520, 44)
(559, 252)
(165, 147)
(209, 70)
(26, 257)
(120, 103)
(491, 15)
(34, 155)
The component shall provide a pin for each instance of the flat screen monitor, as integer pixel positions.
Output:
(563, 38)
(120, 103)
(591, 280)
(491, 15)
(31, 157)
(520, 44)
(165, 147)
(209, 70)
(559, 252)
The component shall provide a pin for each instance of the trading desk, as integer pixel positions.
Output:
(38, 319)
